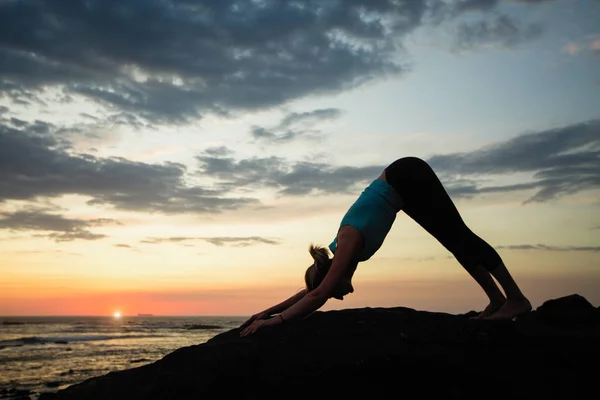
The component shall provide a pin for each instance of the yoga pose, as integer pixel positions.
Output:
(408, 184)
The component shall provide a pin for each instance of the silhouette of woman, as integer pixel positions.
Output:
(408, 184)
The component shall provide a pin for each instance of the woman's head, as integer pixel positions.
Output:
(316, 272)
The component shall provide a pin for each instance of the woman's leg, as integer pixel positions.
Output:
(516, 302)
(427, 202)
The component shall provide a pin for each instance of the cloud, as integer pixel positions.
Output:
(216, 240)
(498, 31)
(550, 248)
(63, 229)
(287, 178)
(34, 166)
(169, 61)
(563, 161)
(309, 117)
(295, 125)
(487, 5)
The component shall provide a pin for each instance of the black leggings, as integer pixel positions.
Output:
(427, 202)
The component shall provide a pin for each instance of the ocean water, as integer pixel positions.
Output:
(45, 354)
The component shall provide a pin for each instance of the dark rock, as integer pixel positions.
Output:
(15, 394)
(53, 384)
(202, 326)
(139, 360)
(571, 312)
(374, 353)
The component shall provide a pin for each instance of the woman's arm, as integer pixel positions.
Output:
(349, 241)
(276, 308)
(284, 305)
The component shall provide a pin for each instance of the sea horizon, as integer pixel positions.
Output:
(122, 316)
(47, 353)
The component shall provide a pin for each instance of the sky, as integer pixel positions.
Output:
(178, 157)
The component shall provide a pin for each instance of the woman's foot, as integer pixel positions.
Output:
(511, 309)
(490, 309)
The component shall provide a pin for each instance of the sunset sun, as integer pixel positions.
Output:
(117, 314)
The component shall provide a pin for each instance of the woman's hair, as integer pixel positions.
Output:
(316, 272)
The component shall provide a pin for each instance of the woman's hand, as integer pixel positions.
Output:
(257, 316)
(259, 324)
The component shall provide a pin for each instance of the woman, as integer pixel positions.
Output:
(408, 184)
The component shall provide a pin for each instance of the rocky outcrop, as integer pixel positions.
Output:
(378, 353)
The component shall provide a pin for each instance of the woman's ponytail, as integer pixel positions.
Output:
(317, 271)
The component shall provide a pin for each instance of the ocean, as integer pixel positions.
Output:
(45, 354)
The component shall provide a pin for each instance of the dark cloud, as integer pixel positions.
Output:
(562, 161)
(217, 151)
(63, 229)
(475, 5)
(171, 60)
(288, 178)
(295, 125)
(126, 246)
(309, 117)
(487, 5)
(216, 240)
(500, 30)
(75, 235)
(550, 248)
(34, 166)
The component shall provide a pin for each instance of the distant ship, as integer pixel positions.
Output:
(145, 315)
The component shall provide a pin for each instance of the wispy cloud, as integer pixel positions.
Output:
(287, 178)
(216, 240)
(550, 248)
(563, 161)
(62, 229)
(498, 31)
(295, 125)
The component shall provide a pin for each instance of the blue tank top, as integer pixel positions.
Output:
(373, 214)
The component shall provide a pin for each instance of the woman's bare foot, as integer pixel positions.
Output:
(490, 309)
(511, 309)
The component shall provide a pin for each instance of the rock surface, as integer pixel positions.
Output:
(377, 353)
